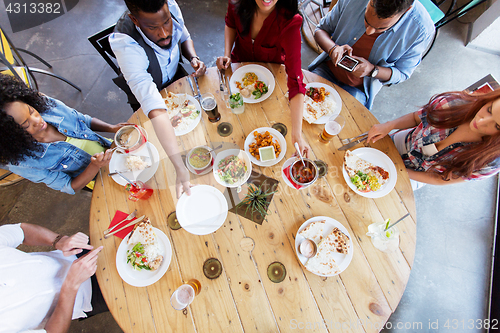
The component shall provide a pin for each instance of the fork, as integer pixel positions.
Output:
(346, 141)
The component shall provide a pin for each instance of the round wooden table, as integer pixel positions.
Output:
(243, 299)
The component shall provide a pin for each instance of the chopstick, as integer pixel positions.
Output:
(129, 217)
(126, 226)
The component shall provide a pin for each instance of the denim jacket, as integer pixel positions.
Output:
(59, 162)
(399, 48)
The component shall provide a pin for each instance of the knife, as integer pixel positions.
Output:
(192, 88)
(352, 144)
(197, 86)
(221, 80)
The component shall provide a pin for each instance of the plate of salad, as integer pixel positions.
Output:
(142, 277)
(254, 82)
(232, 167)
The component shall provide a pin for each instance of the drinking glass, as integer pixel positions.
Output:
(209, 105)
(384, 240)
(138, 190)
(184, 295)
(332, 127)
(237, 106)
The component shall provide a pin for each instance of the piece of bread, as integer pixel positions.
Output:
(143, 233)
(314, 231)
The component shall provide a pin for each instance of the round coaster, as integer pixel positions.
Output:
(212, 268)
(224, 129)
(280, 128)
(276, 272)
(172, 221)
(322, 168)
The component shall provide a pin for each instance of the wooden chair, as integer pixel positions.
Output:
(15, 64)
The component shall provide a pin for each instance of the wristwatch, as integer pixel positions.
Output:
(374, 72)
(193, 58)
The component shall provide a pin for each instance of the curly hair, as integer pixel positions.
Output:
(475, 156)
(245, 9)
(147, 6)
(15, 143)
(388, 8)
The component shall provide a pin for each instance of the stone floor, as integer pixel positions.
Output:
(450, 276)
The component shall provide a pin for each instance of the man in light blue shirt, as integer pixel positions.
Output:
(390, 36)
(147, 44)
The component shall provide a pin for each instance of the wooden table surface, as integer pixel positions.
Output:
(243, 299)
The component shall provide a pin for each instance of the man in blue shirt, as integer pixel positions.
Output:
(147, 44)
(387, 37)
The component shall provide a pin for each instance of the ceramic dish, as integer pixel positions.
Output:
(333, 95)
(276, 136)
(117, 163)
(263, 74)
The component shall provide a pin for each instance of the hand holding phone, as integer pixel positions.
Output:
(348, 63)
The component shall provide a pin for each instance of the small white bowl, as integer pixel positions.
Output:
(191, 152)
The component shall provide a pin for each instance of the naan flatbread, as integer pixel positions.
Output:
(143, 233)
(315, 110)
(314, 231)
(336, 241)
(322, 263)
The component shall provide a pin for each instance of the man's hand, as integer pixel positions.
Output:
(338, 52)
(223, 62)
(364, 68)
(182, 183)
(74, 244)
(101, 159)
(198, 66)
(81, 269)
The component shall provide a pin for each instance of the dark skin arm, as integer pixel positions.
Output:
(189, 52)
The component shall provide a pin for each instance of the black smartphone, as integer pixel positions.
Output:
(348, 63)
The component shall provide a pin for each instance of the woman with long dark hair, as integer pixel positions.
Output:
(268, 31)
(453, 138)
(43, 140)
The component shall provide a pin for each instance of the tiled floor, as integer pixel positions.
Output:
(450, 276)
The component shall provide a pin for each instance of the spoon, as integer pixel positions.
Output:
(128, 180)
(297, 148)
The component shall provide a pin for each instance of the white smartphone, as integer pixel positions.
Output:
(348, 63)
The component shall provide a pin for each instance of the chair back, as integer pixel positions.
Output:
(435, 13)
(14, 66)
(101, 43)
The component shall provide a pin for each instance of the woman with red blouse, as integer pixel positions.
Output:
(268, 31)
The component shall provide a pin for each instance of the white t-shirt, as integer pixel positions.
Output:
(30, 284)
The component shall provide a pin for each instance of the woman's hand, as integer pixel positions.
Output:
(182, 183)
(73, 244)
(378, 131)
(223, 62)
(199, 67)
(304, 147)
(101, 159)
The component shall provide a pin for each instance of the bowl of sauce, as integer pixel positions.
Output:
(199, 157)
(303, 175)
(130, 138)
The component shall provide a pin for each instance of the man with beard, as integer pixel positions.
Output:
(148, 42)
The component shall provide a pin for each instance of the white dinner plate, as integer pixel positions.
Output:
(143, 278)
(276, 137)
(195, 122)
(333, 95)
(242, 155)
(263, 74)
(202, 212)
(377, 158)
(342, 260)
(117, 163)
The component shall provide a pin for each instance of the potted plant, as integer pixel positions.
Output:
(257, 201)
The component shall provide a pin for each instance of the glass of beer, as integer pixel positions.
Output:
(209, 105)
(332, 127)
(184, 295)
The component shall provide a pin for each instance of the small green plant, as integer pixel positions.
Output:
(256, 200)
